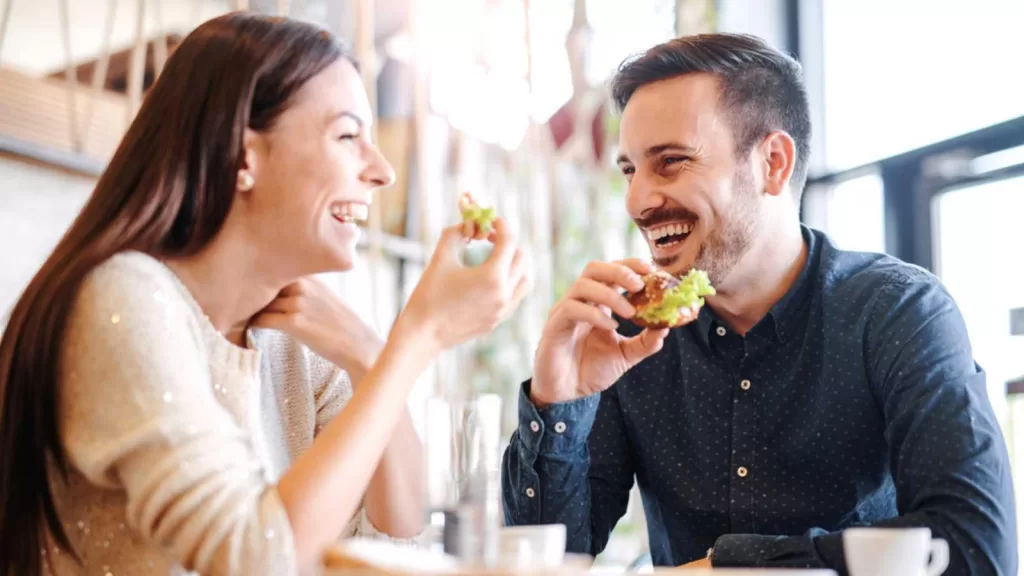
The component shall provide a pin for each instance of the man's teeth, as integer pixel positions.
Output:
(669, 230)
(350, 212)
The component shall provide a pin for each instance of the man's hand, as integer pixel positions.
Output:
(580, 353)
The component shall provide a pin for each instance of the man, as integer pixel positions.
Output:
(818, 390)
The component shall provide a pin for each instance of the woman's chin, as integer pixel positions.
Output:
(344, 262)
(333, 259)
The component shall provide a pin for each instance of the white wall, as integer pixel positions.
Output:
(37, 204)
(34, 44)
(764, 18)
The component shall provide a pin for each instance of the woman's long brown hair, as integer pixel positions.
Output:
(166, 192)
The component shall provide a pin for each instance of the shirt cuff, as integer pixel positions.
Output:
(753, 550)
(559, 428)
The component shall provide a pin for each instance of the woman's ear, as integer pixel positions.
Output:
(248, 172)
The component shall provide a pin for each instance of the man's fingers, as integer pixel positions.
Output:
(614, 274)
(689, 314)
(641, 267)
(573, 311)
(643, 345)
(594, 292)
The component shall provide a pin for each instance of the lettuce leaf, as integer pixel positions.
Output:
(691, 291)
(483, 217)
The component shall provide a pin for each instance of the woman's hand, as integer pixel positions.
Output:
(455, 303)
(309, 311)
(451, 304)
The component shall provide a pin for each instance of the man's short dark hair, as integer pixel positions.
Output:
(762, 89)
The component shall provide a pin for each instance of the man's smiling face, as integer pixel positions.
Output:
(695, 201)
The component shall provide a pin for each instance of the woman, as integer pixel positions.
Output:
(170, 378)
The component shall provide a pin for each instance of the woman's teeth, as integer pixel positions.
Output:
(350, 212)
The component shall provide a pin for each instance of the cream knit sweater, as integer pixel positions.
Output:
(175, 436)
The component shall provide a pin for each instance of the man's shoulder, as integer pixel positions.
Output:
(877, 288)
(845, 271)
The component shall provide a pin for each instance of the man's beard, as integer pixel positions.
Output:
(736, 232)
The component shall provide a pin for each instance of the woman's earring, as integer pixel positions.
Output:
(245, 180)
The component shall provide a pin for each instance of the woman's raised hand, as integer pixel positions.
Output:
(456, 303)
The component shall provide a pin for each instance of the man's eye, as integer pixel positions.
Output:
(669, 160)
(628, 170)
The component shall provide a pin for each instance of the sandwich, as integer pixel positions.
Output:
(479, 221)
(664, 298)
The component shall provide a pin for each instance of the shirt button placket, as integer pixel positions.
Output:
(744, 433)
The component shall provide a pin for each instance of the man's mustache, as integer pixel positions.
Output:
(663, 215)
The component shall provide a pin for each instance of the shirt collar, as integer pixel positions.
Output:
(785, 314)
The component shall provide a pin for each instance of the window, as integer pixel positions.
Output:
(478, 73)
(978, 260)
(851, 212)
(619, 33)
(900, 75)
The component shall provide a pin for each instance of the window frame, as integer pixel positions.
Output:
(910, 180)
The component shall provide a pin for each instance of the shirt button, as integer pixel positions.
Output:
(741, 472)
(560, 427)
(720, 331)
(745, 384)
(530, 493)
(535, 426)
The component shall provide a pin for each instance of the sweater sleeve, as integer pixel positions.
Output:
(138, 414)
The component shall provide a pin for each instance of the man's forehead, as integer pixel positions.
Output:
(679, 108)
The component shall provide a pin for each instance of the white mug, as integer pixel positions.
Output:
(538, 546)
(894, 552)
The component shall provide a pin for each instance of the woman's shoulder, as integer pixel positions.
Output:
(135, 285)
(128, 273)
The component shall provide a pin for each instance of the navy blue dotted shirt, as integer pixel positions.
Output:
(855, 401)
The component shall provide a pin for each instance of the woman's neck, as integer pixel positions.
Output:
(229, 284)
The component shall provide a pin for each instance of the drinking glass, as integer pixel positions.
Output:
(463, 451)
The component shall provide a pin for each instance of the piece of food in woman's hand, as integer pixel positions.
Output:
(664, 300)
(478, 220)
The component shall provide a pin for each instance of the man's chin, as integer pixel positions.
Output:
(675, 265)
(676, 259)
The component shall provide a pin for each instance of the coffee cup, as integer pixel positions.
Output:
(894, 552)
